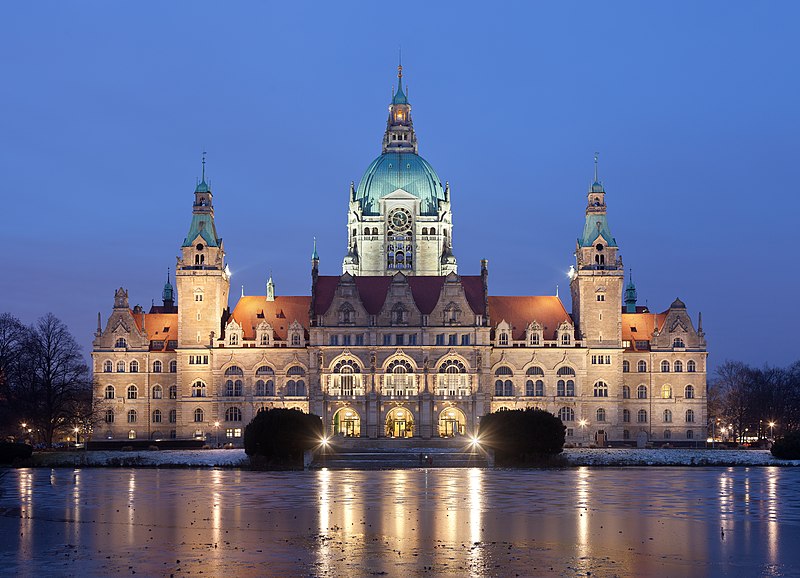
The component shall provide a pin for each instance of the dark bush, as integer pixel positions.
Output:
(282, 435)
(521, 436)
(787, 447)
(11, 451)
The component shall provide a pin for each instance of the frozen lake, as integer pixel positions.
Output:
(460, 522)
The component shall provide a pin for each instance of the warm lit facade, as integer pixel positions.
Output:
(400, 344)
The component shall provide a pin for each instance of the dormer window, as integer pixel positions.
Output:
(121, 342)
(234, 339)
(565, 339)
(503, 339)
(678, 342)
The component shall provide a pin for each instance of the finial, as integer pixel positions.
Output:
(204, 166)
(556, 289)
(596, 154)
(167, 274)
(314, 256)
(242, 290)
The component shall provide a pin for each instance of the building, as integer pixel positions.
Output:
(400, 344)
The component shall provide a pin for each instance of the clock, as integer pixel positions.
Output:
(400, 220)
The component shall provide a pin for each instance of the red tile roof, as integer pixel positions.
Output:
(639, 326)
(253, 309)
(158, 326)
(519, 311)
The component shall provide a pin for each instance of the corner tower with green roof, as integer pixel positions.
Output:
(399, 218)
(596, 283)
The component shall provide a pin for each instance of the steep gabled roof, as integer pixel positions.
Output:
(158, 326)
(520, 310)
(639, 326)
(253, 309)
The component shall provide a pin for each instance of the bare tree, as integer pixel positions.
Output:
(11, 337)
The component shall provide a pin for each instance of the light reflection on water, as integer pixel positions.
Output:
(630, 521)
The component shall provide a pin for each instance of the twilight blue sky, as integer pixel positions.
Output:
(105, 108)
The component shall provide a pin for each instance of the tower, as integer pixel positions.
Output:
(201, 276)
(399, 216)
(596, 283)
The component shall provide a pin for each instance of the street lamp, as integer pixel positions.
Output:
(771, 427)
(77, 439)
(216, 433)
(583, 423)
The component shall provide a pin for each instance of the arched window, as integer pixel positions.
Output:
(157, 416)
(565, 339)
(108, 367)
(366, 230)
(641, 417)
(503, 340)
(374, 230)
(173, 366)
(109, 416)
(689, 434)
(665, 366)
(109, 392)
(233, 388)
(301, 387)
(666, 391)
(641, 392)
(626, 434)
(265, 370)
(399, 314)
(691, 366)
(565, 371)
(537, 371)
(689, 416)
(133, 392)
(667, 416)
(424, 230)
(626, 366)
(345, 381)
(641, 367)
(452, 379)
(433, 230)
(565, 388)
(173, 392)
(198, 389)
(296, 370)
(667, 434)
(173, 416)
(261, 387)
(120, 367)
(233, 414)
(234, 370)
(157, 366)
(601, 414)
(534, 388)
(399, 378)
(600, 389)
(131, 416)
(626, 415)
(158, 392)
(678, 342)
(626, 392)
(198, 415)
(134, 366)
(291, 388)
(121, 342)
(566, 414)
(688, 392)
(678, 366)
(504, 370)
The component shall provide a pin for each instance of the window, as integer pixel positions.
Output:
(333, 340)
(234, 370)
(233, 432)
(133, 392)
(641, 392)
(452, 339)
(233, 414)
(157, 416)
(295, 340)
(109, 392)
(233, 388)
(360, 339)
(173, 392)
(641, 417)
(464, 339)
(667, 416)
(503, 340)
(158, 392)
(198, 389)
(121, 342)
(120, 367)
(399, 339)
(504, 388)
(678, 366)
(234, 339)
(132, 435)
(641, 367)
(691, 366)
(626, 392)
(678, 342)
(601, 297)
(108, 367)
(534, 339)
(440, 339)
(600, 414)
(626, 434)
(157, 366)
(387, 339)
(689, 434)
(134, 366)
(198, 415)
(173, 366)
(600, 389)
(667, 434)
(601, 360)
(566, 414)
(666, 392)
(565, 340)
(534, 388)
(173, 416)
(626, 366)
(346, 340)
(688, 392)
(399, 314)
(626, 416)
(131, 416)
(689, 416)
(665, 366)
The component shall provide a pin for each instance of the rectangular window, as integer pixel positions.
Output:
(399, 339)
(229, 432)
(642, 344)
(601, 297)
(412, 339)
(440, 339)
(569, 432)
(452, 339)
(333, 340)
(360, 339)
(387, 339)
(465, 339)
(346, 339)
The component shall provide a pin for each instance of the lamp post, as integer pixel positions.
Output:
(771, 432)
(216, 433)
(583, 423)
(24, 425)
(77, 436)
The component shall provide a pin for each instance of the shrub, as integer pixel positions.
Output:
(520, 436)
(787, 447)
(12, 451)
(282, 435)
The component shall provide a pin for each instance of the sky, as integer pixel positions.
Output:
(106, 108)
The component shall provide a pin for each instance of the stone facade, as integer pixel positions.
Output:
(400, 344)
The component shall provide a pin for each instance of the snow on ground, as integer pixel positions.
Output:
(145, 458)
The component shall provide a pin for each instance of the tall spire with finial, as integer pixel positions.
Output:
(630, 294)
(400, 136)
(270, 288)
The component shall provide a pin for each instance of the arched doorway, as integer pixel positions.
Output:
(346, 423)
(399, 423)
(452, 423)
(600, 438)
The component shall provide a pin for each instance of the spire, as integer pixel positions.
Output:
(270, 288)
(597, 186)
(400, 136)
(202, 186)
(630, 294)
(315, 256)
(203, 214)
(168, 294)
(399, 95)
(242, 291)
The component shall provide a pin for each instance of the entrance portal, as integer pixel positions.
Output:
(452, 422)
(399, 423)
(347, 423)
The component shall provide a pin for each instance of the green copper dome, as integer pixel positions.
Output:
(407, 171)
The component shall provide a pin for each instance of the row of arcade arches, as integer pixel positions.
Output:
(399, 423)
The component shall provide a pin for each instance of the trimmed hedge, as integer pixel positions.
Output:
(282, 435)
(12, 451)
(787, 447)
(519, 436)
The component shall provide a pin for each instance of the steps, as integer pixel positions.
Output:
(380, 454)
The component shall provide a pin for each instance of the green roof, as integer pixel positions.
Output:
(203, 225)
(400, 170)
(596, 225)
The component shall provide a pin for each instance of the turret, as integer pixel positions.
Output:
(400, 136)
(630, 296)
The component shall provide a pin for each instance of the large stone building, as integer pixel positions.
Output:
(400, 344)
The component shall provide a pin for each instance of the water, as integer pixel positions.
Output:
(455, 522)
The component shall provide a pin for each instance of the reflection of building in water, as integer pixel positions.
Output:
(401, 344)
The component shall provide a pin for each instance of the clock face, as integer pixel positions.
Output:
(400, 220)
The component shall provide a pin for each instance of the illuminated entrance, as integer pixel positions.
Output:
(452, 422)
(347, 423)
(399, 423)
